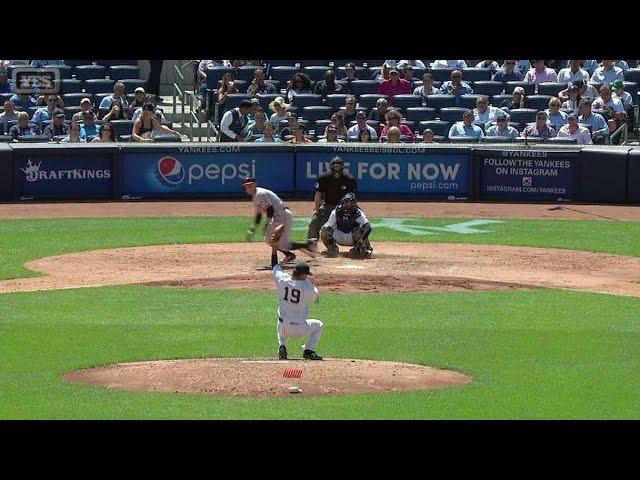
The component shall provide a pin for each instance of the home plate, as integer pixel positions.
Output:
(360, 267)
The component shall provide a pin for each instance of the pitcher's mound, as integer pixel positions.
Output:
(255, 377)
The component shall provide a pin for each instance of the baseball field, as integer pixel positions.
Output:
(465, 311)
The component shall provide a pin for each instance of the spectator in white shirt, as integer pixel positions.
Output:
(607, 73)
(427, 87)
(490, 64)
(574, 130)
(522, 66)
(413, 63)
(353, 132)
(573, 72)
(331, 135)
(457, 64)
(573, 101)
(485, 114)
(606, 101)
(618, 92)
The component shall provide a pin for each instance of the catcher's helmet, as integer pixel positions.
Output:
(336, 159)
(348, 201)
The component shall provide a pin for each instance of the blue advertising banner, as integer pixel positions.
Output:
(528, 174)
(61, 175)
(184, 173)
(427, 172)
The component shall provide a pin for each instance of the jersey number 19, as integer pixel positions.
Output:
(295, 295)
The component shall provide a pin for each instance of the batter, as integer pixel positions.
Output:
(279, 224)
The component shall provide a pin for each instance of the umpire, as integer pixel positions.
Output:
(330, 188)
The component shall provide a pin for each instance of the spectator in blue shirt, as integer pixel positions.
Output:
(465, 128)
(45, 113)
(23, 101)
(88, 128)
(508, 73)
(24, 127)
(42, 63)
(556, 118)
(117, 96)
(455, 86)
(5, 85)
(599, 127)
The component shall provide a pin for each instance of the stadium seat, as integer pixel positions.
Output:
(5, 97)
(233, 100)
(122, 127)
(473, 74)
(336, 100)
(306, 100)
(464, 140)
(109, 63)
(86, 72)
(358, 109)
(73, 99)
(409, 123)
(551, 88)
(361, 87)
(34, 139)
(241, 85)
(488, 87)
(443, 74)
(315, 63)
(632, 75)
(98, 97)
(70, 85)
(523, 115)
(32, 110)
(499, 100)
(518, 126)
(246, 73)
(124, 138)
(314, 113)
(166, 138)
(64, 70)
(376, 125)
(538, 102)
(452, 114)
(119, 72)
(6, 138)
(130, 84)
(439, 127)
(405, 101)
(469, 101)
(371, 63)
(497, 140)
(440, 101)
(275, 83)
(632, 88)
(265, 100)
(361, 73)
(529, 88)
(564, 140)
(370, 100)
(420, 114)
(283, 73)
(316, 73)
(284, 63)
(98, 85)
(75, 63)
(320, 125)
(70, 111)
(215, 74)
(406, 139)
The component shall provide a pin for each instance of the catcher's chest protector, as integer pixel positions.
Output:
(346, 221)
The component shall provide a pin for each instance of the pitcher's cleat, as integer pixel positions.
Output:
(289, 258)
(311, 355)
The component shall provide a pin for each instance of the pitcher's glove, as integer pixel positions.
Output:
(275, 236)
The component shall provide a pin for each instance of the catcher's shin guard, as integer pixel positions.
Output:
(326, 235)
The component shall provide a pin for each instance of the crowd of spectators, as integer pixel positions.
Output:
(46, 116)
(590, 84)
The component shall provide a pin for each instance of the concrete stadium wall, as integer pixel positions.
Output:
(541, 173)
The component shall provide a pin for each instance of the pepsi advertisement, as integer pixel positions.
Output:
(528, 175)
(194, 173)
(65, 176)
(415, 171)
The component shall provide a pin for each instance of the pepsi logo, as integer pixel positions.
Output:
(170, 170)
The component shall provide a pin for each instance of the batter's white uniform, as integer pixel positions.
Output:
(294, 297)
(263, 199)
(344, 238)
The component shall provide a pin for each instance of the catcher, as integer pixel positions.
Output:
(278, 229)
(349, 226)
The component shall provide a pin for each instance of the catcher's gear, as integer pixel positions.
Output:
(348, 202)
(336, 160)
(275, 236)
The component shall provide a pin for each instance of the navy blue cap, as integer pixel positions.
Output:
(301, 268)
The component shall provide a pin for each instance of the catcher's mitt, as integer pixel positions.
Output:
(275, 236)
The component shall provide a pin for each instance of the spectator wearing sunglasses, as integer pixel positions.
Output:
(507, 73)
(394, 119)
(455, 86)
(45, 113)
(300, 84)
(573, 72)
(106, 134)
(502, 128)
(540, 73)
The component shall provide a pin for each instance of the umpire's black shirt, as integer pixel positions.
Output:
(335, 188)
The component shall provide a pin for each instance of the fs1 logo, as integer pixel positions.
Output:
(170, 171)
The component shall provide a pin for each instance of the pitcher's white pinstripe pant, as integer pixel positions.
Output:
(311, 327)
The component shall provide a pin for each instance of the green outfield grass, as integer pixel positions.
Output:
(532, 354)
(24, 240)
